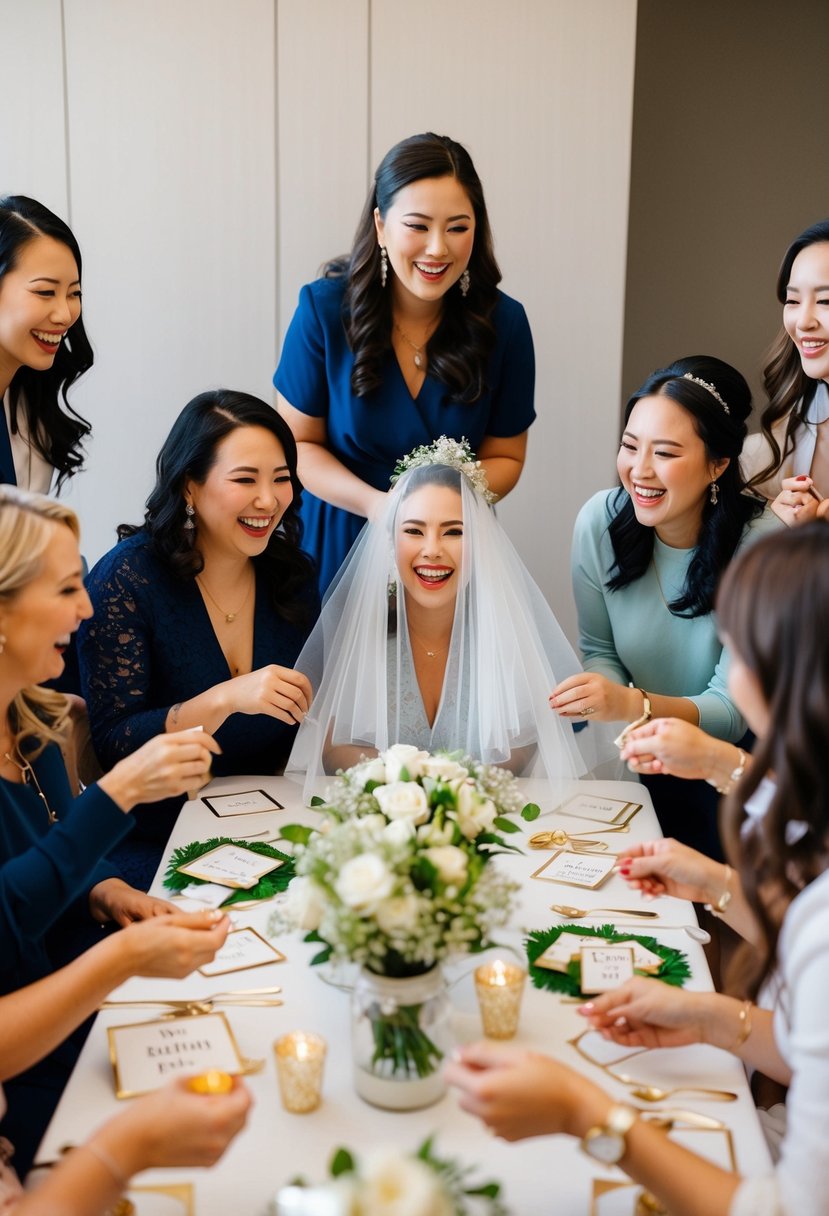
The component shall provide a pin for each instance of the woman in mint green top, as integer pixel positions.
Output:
(646, 561)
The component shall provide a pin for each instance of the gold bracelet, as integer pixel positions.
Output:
(745, 1025)
(733, 777)
(721, 906)
(107, 1162)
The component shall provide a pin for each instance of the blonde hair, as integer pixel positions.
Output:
(26, 524)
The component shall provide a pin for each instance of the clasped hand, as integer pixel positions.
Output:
(280, 692)
(589, 694)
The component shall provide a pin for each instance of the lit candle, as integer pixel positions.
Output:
(300, 1058)
(211, 1082)
(500, 986)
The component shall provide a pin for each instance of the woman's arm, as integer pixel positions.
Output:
(279, 692)
(321, 471)
(503, 459)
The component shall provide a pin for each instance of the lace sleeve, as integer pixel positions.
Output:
(115, 651)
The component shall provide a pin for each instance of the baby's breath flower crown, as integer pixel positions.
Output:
(458, 454)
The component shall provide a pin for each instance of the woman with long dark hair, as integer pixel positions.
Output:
(789, 460)
(406, 339)
(776, 828)
(43, 346)
(646, 561)
(201, 612)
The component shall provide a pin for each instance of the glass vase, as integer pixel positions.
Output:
(401, 1034)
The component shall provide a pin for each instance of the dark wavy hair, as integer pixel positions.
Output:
(771, 606)
(56, 432)
(188, 454)
(722, 525)
(459, 348)
(788, 388)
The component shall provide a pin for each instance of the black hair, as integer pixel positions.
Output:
(459, 348)
(789, 390)
(188, 454)
(722, 524)
(55, 431)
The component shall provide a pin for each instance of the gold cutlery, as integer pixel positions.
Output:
(572, 913)
(652, 1093)
(558, 838)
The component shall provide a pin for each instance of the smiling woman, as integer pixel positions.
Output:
(202, 611)
(404, 340)
(646, 562)
(43, 345)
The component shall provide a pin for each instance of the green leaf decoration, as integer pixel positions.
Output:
(317, 801)
(675, 967)
(296, 833)
(505, 825)
(268, 886)
(531, 811)
(341, 1163)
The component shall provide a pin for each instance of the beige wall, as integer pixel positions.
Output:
(211, 154)
(729, 163)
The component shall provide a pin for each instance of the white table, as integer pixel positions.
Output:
(538, 1176)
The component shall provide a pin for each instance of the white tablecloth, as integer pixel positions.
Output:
(539, 1176)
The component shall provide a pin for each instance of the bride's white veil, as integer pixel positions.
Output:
(507, 652)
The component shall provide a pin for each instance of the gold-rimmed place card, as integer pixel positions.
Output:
(247, 802)
(231, 865)
(605, 967)
(599, 809)
(243, 949)
(145, 1055)
(176, 1199)
(587, 870)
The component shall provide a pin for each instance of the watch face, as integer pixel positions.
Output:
(605, 1146)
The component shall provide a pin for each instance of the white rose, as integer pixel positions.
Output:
(398, 914)
(371, 825)
(399, 831)
(435, 833)
(403, 800)
(304, 904)
(443, 769)
(364, 882)
(450, 862)
(370, 770)
(403, 756)
(394, 1185)
(475, 813)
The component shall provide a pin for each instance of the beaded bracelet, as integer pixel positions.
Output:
(733, 777)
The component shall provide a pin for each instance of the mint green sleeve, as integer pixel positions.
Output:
(596, 644)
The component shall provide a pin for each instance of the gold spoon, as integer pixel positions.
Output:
(652, 1093)
(576, 913)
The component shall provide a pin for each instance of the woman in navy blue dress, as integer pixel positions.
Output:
(200, 613)
(405, 340)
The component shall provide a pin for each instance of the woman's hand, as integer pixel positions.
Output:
(591, 695)
(172, 945)
(174, 1127)
(648, 1013)
(798, 501)
(669, 745)
(164, 767)
(279, 692)
(113, 899)
(666, 867)
(517, 1093)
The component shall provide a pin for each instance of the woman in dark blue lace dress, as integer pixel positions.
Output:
(201, 613)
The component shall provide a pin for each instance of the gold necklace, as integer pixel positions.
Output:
(230, 617)
(430, 654)
(30, 778)
(659, 585)
(419, 360)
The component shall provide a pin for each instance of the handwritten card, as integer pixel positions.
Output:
(248, 802)
(605, 967)
(231, 865)
(243, 948)
(206, 894)
(145, 1055)
(577, 869)
(561, 953)
(599, 809)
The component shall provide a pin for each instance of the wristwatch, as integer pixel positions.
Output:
(606, 1142)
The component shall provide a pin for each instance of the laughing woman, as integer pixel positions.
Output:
(646, 561)
(200, 613)
(43, 346)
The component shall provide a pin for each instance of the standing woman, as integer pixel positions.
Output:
(791, 454)
(646, 561)
(405, 340)
(43, 346)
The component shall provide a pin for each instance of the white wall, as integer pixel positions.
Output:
(210, 155)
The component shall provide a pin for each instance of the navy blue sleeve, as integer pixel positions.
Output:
(302, 374)
(512, 408)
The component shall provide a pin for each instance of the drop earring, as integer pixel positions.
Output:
(189, 511)
(715, 493)
(464, 283)
(384, 265)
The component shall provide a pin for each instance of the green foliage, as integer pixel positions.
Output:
(531, 811)
(268, 886)
(675, 967)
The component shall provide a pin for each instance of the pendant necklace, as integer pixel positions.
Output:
(430, 654)
(230, 617)
(419, 357)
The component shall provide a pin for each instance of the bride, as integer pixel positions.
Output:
(434, 634)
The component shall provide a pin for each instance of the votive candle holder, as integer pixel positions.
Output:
(500, 987)
(300, 1059)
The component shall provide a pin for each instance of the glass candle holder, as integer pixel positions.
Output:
(499, 987)
(300, 1058)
